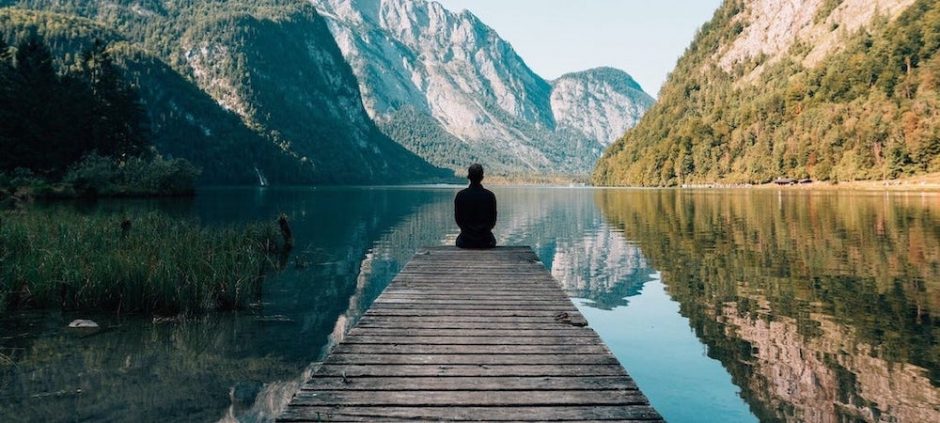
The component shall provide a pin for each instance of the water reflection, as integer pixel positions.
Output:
(231, 366)
(822, 306)
(817, 307)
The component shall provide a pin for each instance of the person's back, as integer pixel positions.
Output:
(475, 213)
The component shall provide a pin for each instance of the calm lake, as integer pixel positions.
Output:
(725, 306)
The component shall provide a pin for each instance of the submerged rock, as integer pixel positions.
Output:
(278, 318)
(83, 324)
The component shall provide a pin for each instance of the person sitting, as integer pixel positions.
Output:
(475, 212)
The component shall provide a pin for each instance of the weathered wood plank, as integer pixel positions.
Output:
(474, 333)
(518, 370)
(470, 306)
(542, 321)
(477, 303)
(432, 291)
(470, 349)
(467, 359)
(430, 398)
(458, 383)
(465, 313)
(478, 294)
(471, 336)
(395, 324)
(557, 413)
(472, 340)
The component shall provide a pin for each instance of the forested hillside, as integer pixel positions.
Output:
(855, 99)
(234, 86)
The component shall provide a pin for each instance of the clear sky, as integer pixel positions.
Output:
(642, 37)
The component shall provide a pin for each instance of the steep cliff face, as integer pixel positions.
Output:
(834, 90)
(274, 65)
(284, 74)
(443, 83)
(770, 28)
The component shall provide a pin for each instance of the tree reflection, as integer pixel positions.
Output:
(822, 306)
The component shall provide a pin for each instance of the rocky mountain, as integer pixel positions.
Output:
(448, 88)
(833, 90)
(261, 83)
(603, 103)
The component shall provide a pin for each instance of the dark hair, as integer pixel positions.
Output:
(475, 173)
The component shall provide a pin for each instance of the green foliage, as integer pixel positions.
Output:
(134, 177)
(159, 264)
(97, 176)
(869, 111)
(280, 112)
(52, 119)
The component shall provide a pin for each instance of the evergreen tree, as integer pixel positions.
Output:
(6, 105)
(32, 89)
(119, 125)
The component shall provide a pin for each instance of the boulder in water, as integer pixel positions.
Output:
(83, 324)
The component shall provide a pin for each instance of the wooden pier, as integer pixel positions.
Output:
(471, 336)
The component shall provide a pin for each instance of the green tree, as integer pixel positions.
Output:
(119, 125)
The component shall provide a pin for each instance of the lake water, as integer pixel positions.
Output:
(725, 306)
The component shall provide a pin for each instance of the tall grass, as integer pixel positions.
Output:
(160, 264)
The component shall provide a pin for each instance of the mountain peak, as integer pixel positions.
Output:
(449, 88)
(604, 73)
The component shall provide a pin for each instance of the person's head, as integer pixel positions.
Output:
(475, 173)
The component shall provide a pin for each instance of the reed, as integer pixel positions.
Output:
(126, 264)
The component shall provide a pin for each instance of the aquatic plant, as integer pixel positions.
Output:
(144, 263)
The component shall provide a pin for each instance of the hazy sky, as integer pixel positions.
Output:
(642, 37)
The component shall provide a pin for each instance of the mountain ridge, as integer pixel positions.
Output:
(421, 65)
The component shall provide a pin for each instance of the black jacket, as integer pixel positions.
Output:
(475, 213)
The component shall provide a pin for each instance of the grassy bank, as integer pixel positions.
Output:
(153, 264)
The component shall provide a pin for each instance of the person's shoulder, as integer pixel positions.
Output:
(489, 193)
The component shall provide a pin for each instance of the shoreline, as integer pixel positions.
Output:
(923, 183)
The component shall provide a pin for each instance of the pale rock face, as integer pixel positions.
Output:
(459, 72)
(599, 266)
(790, 368)
(603, 103)
(772, 27)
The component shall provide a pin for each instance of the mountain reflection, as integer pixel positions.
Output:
(823, 307)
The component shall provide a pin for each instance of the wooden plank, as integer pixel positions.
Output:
(467, 359)
(471, 336)
(470, 349)
(477, 296)
(451, 325)
(472, 306)
(495, 320)
(573, 316)
(557, 413)
(474, 333)
(373, 370)
(471, 302)
(429, 398)
(472, 340)
(432, 292)
(502, 384)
